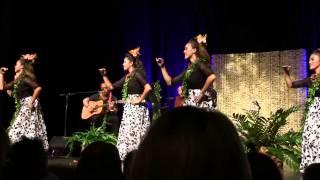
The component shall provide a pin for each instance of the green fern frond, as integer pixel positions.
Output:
(92, 135)
(287, 156)
(256, 131)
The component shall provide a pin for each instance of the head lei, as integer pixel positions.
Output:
(135, 52)
(29, 58)
(201, 39)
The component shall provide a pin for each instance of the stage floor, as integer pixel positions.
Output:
(64, 168)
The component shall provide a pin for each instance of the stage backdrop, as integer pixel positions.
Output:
(247, 77)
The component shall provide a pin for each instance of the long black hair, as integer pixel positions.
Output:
(137, 63)
(201, 48)
(317, 52)
(28, 68)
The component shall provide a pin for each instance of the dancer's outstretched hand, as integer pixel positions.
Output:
(160, 62)
(3, 70)
(102, 71)
(286, 68)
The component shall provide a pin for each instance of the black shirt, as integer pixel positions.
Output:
(25, 88)
(96, 97)
(307, 82)
(136, 83)
(197, 78)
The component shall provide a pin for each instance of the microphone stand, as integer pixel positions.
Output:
(67, 95)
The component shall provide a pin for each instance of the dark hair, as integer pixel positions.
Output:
(4, 148)
(263, 167)
(317, 51)
(99, 160)
(137, 63)
(29, 158)
(312, 172)
(201, 48)
(28, 68)
(190, 143)
(127, 164)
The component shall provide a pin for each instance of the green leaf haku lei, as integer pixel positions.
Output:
(311, 95)
(186, 76)
(16, 99)
(125, 88)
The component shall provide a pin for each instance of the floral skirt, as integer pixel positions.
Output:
(134, 125)
(311, 136)
(208, 102)
(28, 123)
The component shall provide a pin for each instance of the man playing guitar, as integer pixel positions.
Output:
(101, 109)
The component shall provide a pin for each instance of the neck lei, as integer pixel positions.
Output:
(190, 70)
(311, 95)
(16, 86)
(125, 86)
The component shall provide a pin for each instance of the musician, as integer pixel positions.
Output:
(179, 98)
(109, 114)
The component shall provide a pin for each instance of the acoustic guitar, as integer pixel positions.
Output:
(95, 108)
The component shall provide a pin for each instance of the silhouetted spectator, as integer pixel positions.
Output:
(190, 143)
(312, 172)
(27, 160)
(99, 161)
(263, 167)
(128, 163)
(4, 148)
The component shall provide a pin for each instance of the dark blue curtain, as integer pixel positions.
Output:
(73, 39)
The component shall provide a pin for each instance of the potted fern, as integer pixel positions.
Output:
(92, 135)
(261, 134)
(155, 99)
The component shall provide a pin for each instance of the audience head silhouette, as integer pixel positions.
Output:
(99, 160)
(127, 164)
(4, 148)
(190, 143)
(312, 172)
(263, 167)
(27, 159)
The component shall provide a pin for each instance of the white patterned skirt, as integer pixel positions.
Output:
(28, 123)
(207, 103)
(311, 136)
(134, 125)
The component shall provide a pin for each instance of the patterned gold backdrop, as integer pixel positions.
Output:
(247, 77)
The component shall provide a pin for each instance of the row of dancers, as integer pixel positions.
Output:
(196, 79)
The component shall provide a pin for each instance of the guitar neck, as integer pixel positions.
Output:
(122, 101)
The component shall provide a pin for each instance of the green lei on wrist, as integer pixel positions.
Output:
(16, 86)
(186, 76)
(311, 94)
(125, 88)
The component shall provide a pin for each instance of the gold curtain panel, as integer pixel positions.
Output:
(246, 77)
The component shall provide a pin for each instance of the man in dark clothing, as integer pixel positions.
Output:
(108, 115)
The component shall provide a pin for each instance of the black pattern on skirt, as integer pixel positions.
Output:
(311, 136)
(29, 123)
(207, 103)
(134, 125)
